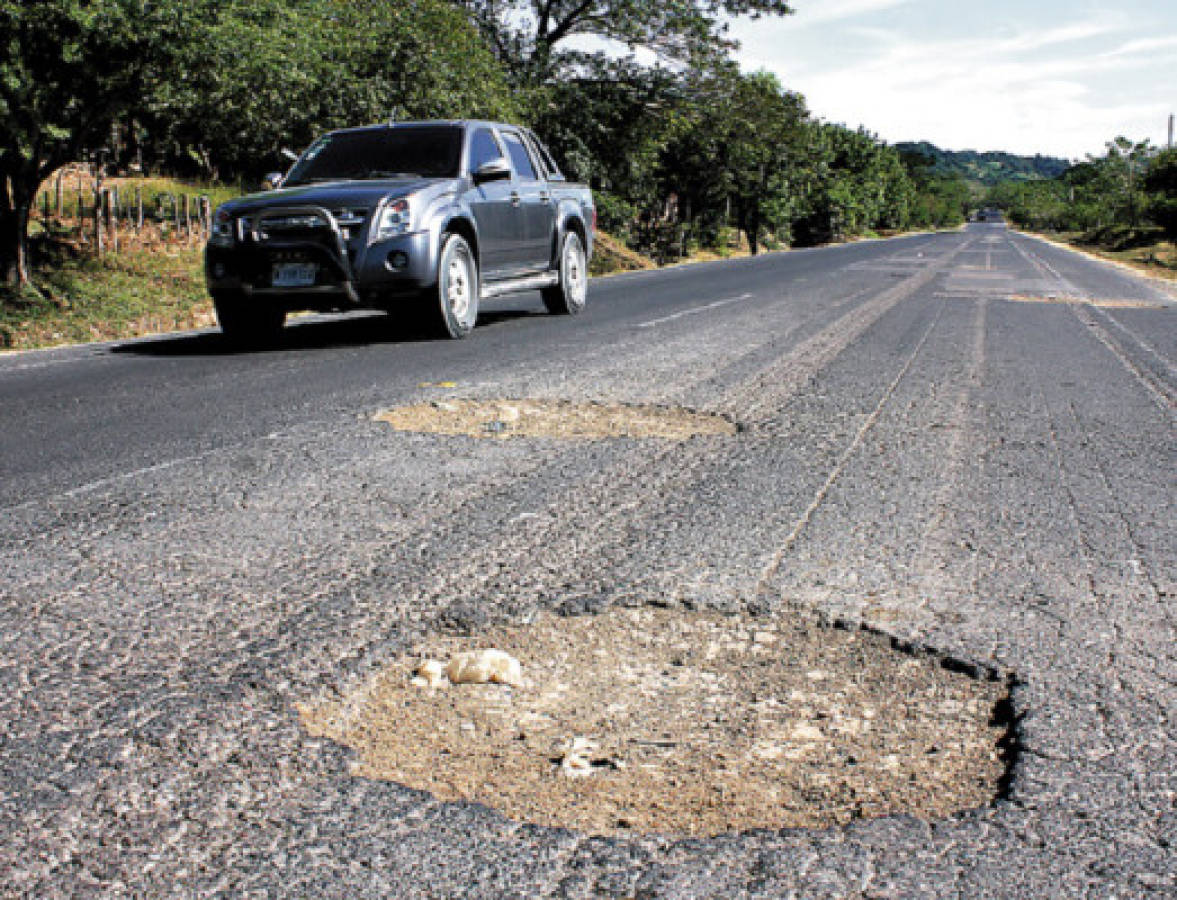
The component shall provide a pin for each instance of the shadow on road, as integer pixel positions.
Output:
(313, 333)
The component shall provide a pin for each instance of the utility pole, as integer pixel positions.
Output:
(1170, 131)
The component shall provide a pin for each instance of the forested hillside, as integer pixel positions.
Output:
(686, 153)
(989, 168)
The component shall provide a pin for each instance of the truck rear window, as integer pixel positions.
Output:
(430, 151)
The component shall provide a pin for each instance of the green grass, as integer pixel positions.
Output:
(1144, 248)
(78, 299)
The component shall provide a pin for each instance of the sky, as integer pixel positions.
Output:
(1057, 77)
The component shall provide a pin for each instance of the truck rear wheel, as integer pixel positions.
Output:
(567, 297)
(451, 306)
(244, 321)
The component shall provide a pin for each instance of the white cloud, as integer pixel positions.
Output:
(1142, 46)
(825, 11)
(1061, 90)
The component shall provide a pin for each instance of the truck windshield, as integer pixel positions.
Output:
(431, 151)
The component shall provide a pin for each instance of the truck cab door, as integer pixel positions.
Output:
(497, 210)
(536, 201)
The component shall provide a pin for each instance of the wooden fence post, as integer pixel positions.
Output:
(138, 209)
(83, 238)
(176, 212)
(98, 241)
(188, 218)
(112, 217)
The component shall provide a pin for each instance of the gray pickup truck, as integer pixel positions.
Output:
(421, 219)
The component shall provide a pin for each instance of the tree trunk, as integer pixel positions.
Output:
(14, 228)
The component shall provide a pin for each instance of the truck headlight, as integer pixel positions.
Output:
(392, 221)
(222, 230)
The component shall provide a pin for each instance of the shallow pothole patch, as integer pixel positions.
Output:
(1111, 303)
(678, 722)
(554, 419)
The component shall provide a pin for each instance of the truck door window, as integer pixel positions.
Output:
(540, 152)
(483, 149)
(520, 158)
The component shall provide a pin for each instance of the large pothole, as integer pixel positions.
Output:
(553, 419)
(691, 723)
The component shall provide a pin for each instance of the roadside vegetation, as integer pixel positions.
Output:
(688, 156)
(82, 298)
(1122, 205)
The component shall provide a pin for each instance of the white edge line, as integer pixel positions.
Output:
(694, 309)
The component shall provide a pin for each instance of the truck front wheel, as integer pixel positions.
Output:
(244, 321)
(451, 306)
(567, 296)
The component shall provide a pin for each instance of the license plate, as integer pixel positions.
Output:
(294, 274)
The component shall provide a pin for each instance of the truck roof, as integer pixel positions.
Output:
(422, 123)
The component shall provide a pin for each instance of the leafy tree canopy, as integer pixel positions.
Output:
(529, 36)
(272, 73)
(68, 69)
(218, 84)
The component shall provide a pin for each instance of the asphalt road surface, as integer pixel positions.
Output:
(963, 440)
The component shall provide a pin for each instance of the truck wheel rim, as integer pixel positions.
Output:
(457, 286)
(574, 274)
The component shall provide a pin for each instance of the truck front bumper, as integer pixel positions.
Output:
(371, 276)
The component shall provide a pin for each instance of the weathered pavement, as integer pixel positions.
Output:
(191, 544)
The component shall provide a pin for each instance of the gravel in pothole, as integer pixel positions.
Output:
(696, 723)
(553, 419)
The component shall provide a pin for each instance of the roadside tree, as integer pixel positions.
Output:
(268, 74)
(68, 70)
(1161, 180)
(530, 37)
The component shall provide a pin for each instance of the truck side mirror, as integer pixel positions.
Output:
(495, 170)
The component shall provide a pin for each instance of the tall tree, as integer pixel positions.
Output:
(1161, 180)
(265, 74)
(68, 70)
(530, 36)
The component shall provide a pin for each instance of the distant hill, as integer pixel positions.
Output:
(987, 168)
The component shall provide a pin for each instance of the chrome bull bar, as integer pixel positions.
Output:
(308, 218)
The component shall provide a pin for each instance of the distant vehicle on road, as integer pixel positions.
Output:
(421, 219)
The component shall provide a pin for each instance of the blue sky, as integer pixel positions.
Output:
(1040, 76)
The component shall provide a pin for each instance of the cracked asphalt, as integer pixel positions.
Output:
(964, 441)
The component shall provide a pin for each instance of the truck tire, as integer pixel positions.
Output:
(245, 322)
(451, 306)
(567, 297)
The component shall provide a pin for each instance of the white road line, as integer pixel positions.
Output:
(695, 309)
(121, 477)
(1172, 369)
(109, 481)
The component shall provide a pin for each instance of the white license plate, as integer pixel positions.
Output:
(294, 274)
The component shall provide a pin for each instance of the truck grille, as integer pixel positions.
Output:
(307, 227)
